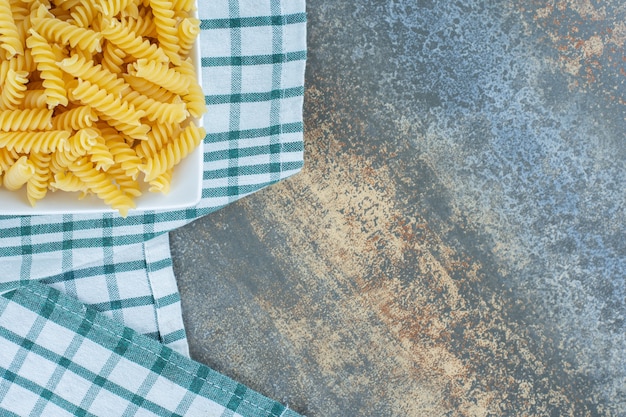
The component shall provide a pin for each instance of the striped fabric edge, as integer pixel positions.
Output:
(48, 304)
(167, 304)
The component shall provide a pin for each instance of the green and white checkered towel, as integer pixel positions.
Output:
(253, 59)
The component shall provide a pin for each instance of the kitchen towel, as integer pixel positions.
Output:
(253, 59)
(60, 358)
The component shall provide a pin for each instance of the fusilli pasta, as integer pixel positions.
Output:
(18, 174)
(9, 38)
(27, 119)
(37, 185)
(161, 74)
(173, 152)
(100, 97)
(32, 141)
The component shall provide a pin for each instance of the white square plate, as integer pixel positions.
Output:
(185, 189)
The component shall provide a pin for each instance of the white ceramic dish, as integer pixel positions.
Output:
(185, 190)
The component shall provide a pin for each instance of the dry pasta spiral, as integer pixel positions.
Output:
(24, 142)
(122, 153)
(18, 63)
(37, 185)
(161, 183)
(74, 119)
(110, 8)
(67, 34)
(45, 58)
(182, 5)
(84, 14)
(126, 184)
(141, 25)
(14, 89)
(131, 43)
(66, 181)
(173, 152)
(101, 155)
(7, 158)
(188, 31)
(9, 37)
(158, 137)
(35, 99)
(85, 69)
(105, 103)
(150, 89)
(67, 4)
(156, 110)
(112, 58)
(78, 145)
(18, 174)
(167, 33)
(132, 131)
(196, 103)
(27, 119)
(98, 182)
(162, 75)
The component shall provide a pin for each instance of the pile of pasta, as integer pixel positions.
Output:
(97, 96)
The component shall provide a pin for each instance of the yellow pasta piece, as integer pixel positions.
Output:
(195, 100)
(19, 11)
(157, 111)
(78, 145)
(183, 5)
(150, 89)
(112, 58)
(123, 154)
(7, 158)
(161, 184)
(158, 137)
(17, 63)
(105, 103)
(133, 131)
(101, 155)
(37, 185)
(85, 69)
(75, 119)
(143, 25)
(188, 31)
(66, 181)
(45, 59)
(67, 4)
(27, 119)
(60, 13)
(35, 99)
(126, 184)
(110, 8)
(102, 186)
(18, 174)
(84, 13)
(161, 74)
(65, 33)
(131, 43)
(165, 24)
(173, 152)
(9, 38)
(14, 89)
(30, 141)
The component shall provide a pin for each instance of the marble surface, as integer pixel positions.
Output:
(455, 245)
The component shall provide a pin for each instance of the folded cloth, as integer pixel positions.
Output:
(253, 60)
(61, 358)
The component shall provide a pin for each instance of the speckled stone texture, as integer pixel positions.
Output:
(455, 245)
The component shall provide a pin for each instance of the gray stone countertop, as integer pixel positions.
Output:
(455, 245)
